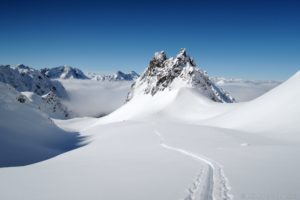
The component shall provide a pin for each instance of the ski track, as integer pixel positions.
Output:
(210, 183)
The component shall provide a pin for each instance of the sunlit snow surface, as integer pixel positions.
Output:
(175, 145)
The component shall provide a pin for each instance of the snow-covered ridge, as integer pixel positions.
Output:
(173, 73)
(24, 78)
(42, 92)
(68, 72)
(64, 72)
(118, 76)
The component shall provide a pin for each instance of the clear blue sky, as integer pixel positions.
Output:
(247, 39)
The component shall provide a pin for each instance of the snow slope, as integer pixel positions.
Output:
(127, 164)
(245, 90)
(274, 112)
(256, 142)
(27, 135)
(175, 144)
(158, 147)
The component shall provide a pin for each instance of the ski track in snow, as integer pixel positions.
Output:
(210, 183)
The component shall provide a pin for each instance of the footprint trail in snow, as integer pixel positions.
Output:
(210, 184)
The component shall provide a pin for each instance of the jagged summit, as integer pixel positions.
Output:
(64, 72)
(165, 73)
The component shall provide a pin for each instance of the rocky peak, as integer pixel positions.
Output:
(160, 56)
(165, 73)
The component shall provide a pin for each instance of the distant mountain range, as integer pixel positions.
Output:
(64, 72)
(43, 89)
(24, 78)
(68, 72)
(118, 76)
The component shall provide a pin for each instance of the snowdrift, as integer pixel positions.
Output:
(277, 111)
(178, 104)
(27, 135)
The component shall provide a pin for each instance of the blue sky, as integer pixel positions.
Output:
(246, 39)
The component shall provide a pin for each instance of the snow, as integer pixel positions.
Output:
(176, 144)
(115, 165)
(245, 90)
(165, 73)
(49, 104)
(27, 135)
(24, 78)
(275, 112)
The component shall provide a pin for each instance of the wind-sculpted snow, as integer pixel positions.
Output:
(174, 142)
(174, 73)
(276, 112)
(185, 159)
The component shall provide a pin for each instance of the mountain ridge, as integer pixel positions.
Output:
(165, 73)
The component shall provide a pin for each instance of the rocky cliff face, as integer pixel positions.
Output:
(165, 73)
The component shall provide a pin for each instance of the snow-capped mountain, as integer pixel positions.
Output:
(24, 78)
(64, 72)
(118, 76)
(42, 93)
(173, 73)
